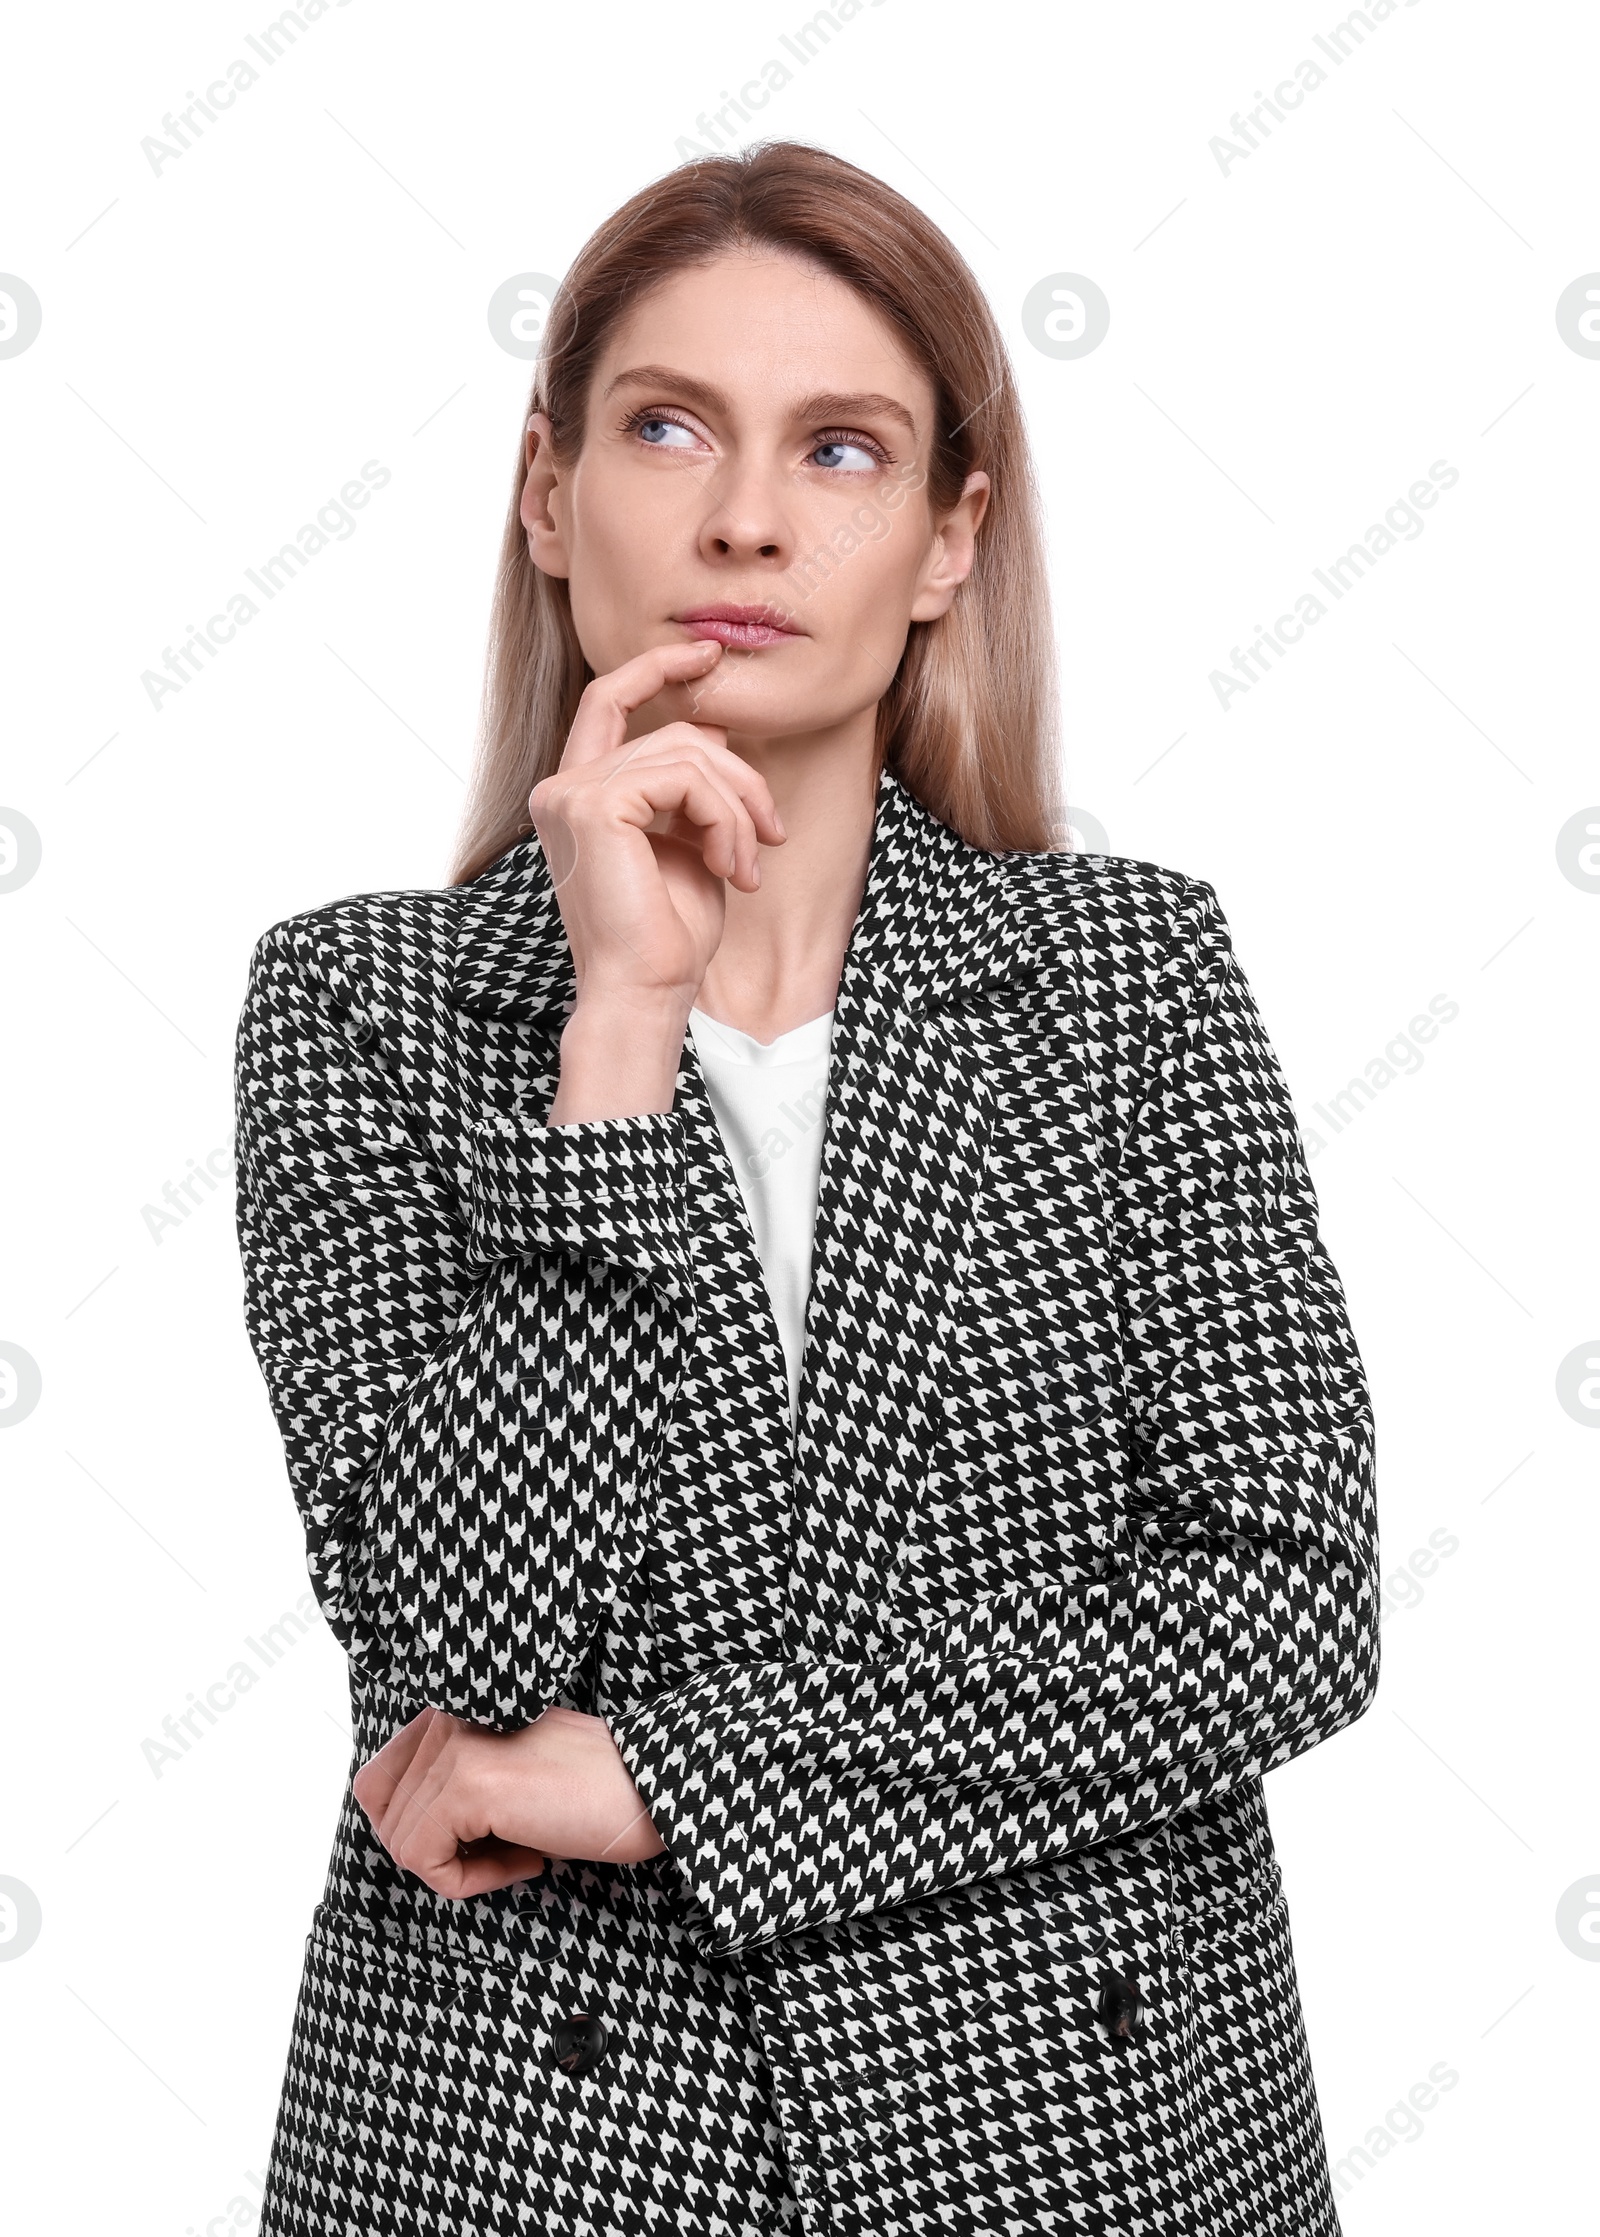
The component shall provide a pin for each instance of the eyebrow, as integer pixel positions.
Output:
(830, 405)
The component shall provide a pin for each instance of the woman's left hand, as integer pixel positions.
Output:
(467, 1810)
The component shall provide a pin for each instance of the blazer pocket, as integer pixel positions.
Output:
(415, 2089)
(1024, 2031)
(426, 2094)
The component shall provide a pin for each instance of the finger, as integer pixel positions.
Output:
(414, 1791)
(400, 1760)
(741, 865)
(495, 1863)
(759, 821)
(722, 762)
(603, 711)
(440, 1837)
(558, 802)
(651, 789)
(375, 1782)
(426, 1825)
(682, 789)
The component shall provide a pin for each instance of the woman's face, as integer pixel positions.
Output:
(757, 441)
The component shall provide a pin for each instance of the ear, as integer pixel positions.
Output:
(952, 551)
(547, 546)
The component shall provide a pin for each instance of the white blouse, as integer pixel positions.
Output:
(769, 1097)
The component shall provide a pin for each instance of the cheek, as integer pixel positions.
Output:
(863, 573)
(606, 539)
(614, 572)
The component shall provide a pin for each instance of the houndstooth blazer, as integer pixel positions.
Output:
(951, 1703)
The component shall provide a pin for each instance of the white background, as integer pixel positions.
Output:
(1293, 341)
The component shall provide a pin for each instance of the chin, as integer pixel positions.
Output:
(757, 713)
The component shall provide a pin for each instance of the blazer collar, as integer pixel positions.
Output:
(938, 922)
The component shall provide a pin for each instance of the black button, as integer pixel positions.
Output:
(363, 1032)
(579, 2043)
(1122, 2007)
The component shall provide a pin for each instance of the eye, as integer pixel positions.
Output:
(847, 454)
(664, 434)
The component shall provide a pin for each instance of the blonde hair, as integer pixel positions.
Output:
(969, 721)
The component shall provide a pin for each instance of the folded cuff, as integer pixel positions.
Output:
(608, 1188)
(702, 1759)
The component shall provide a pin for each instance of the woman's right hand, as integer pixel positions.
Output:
(640, 836)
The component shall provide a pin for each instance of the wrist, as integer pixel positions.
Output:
(619, 1056)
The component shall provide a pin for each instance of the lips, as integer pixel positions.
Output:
(745, 627)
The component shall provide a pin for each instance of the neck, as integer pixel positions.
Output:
(782, 947)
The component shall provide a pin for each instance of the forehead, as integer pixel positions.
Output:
(766, 327)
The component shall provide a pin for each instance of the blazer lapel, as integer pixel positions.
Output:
(906, 1132)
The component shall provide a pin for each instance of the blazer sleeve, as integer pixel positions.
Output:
(466, 1359)
(1237, 1628)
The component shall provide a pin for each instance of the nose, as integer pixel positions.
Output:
(746, 519)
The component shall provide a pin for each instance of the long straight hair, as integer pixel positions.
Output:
(969, 721)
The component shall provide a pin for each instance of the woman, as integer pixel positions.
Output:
(796, 1787)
